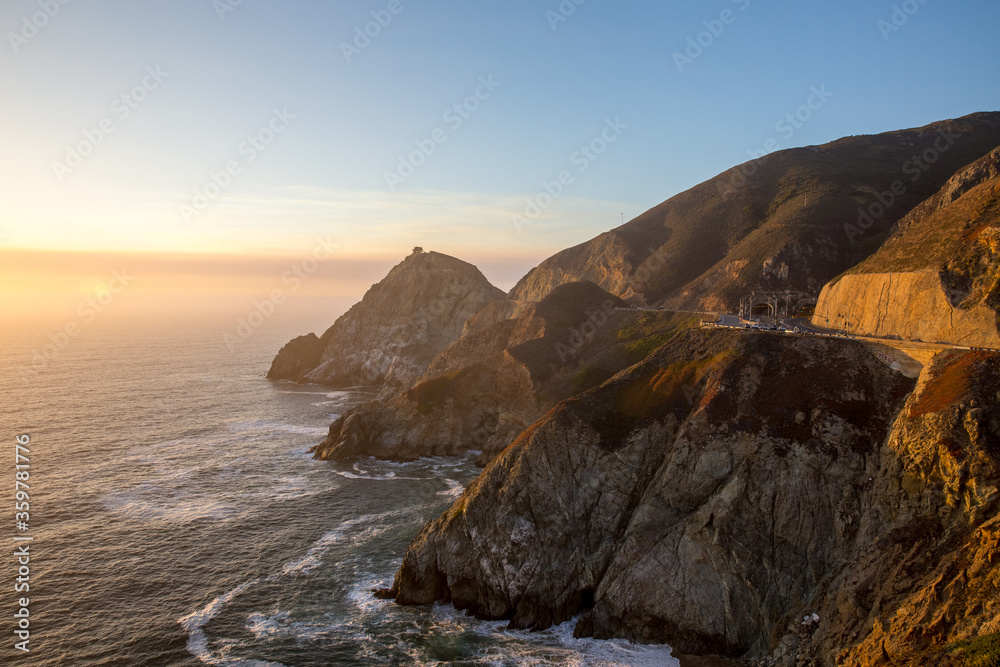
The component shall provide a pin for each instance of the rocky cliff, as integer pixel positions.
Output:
(911, 306)
(937, 278)
(791, 220)
(738, 493)
(925, 569)
(717, 493)
(678, 502)
(397, 329)
(514, 361)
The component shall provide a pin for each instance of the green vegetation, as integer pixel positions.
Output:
(644, 347)
(979, 652)
(670, 389)
(650, 331)
(457, 509)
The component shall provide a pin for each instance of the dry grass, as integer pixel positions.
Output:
(951, 382)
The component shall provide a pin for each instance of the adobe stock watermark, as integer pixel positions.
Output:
(122, 108)
(223, 7)
(366, 34)
(292, 280)
(562, 13)
(249, 149)
(704, 40)
(454, 117)
(582, 158)
(915, 168)
(786, 127)
(35, 23)
(899, 17)
(87, 311)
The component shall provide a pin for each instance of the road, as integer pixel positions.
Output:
(909, 357)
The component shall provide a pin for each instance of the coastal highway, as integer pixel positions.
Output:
(807, 328)
(906, 356)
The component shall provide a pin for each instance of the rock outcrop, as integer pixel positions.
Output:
(397, 329)
(910, 306)
(721, 491)
(513, 362)
(297, 358)
(786, 221)
(693, 499)
(937, 279)
(925, 570)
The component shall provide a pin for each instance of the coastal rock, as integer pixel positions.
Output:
(926, 567)
(683, 501)
(296, 358)
(713, 503)
(397, 329)
(488, 386)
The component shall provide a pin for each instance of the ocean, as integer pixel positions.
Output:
(177, 518)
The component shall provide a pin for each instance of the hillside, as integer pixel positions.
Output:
(937, 278)
(514, 362)
(790, 220)
(791, 500)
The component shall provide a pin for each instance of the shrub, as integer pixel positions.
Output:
(979, 652)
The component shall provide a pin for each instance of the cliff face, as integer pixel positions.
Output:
(700, 498)
(712, 503)
(926, 568)
(400, 325)
(937, 278)
(912, 306)
(513, 362)
(781, 222)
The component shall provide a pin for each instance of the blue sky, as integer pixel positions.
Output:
(222, 76)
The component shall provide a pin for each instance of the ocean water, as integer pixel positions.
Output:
(179, 520)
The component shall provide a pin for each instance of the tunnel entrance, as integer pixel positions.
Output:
(776, 304)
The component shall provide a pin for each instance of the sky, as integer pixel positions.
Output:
(212, 145)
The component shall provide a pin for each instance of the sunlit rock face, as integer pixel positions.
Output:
(400, 325)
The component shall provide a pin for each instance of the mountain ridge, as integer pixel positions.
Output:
(783, 227)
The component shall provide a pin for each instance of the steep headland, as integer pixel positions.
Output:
(400, 325)
(713, 500)
(699, 498)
